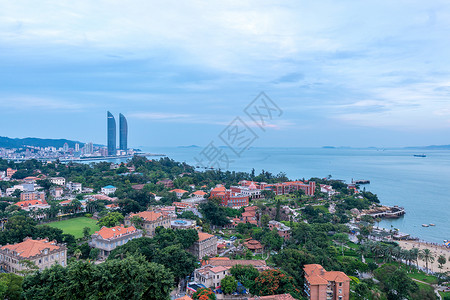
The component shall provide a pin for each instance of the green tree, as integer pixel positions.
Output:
(342, 239)
(245, 275)
(86, 232)
(228, 284)
(130, 278)
(441, 261)
(178, 261)
(111, 219)
(395, 282)
(13, 284)
(427, 256)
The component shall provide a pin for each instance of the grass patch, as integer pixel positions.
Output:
(322, 208)
(75, 226)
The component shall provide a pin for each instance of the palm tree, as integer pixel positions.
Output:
(441, 261)
(414, 254)
(77, 253)
(427, 256)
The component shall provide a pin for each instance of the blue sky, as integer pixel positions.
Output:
(345, 73)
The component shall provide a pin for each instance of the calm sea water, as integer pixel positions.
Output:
(421, 185)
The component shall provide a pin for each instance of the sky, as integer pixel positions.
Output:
(343, 73)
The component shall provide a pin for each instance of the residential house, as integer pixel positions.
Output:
(75, 187)
(57, 192)
(206, 245)
(151, 220)
(199, 194)
(260, 265)
(58, 180)
(108, 239)
(10, 172)
(32, 204)
(283, 230)
(254, 246)
(167, 183)
(108, 190)
(42, 253)
(179, 192)
(211, 276)
(323, 285)
(28, 196)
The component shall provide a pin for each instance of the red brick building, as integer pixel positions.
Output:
(290, 187)
(323, 285)
(228, 197)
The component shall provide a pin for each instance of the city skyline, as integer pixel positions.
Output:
(344, 74)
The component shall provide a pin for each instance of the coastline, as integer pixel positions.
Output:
(436, 249)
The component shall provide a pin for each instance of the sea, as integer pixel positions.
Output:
(419, 184)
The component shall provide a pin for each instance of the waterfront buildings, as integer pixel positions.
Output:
(123, 133)
(108, 239)
(151, 220)
(323, 285)
(42, 253)
(111, 134)
(206, 245)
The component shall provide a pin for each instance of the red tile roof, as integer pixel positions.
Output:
(150, 216)
(178, 191)
(203, 236)
(113, 232)
(30, 247)
(30, 202)
(199, 193)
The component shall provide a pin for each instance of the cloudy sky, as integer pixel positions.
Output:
(344, 73)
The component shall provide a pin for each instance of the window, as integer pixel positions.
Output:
(340, 291)
(340, 283)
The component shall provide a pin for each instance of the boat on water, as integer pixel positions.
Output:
(425, 225)
(420, 155)
(431, 224)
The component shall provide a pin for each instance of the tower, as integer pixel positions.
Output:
(123, 133)
(111, 134)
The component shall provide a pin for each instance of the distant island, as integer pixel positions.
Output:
(6, 142)
(191, 146)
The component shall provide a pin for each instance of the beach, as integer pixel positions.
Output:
(434, 248)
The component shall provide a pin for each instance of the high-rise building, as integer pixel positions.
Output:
(123, 133)
(111, 134)
(77, 147)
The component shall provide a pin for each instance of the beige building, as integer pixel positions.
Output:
(58, 180)
(206, 245)
(42, 253)
(109, 238)
(211, 276)
(151, 220)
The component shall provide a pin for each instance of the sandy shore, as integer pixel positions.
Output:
(437, 250)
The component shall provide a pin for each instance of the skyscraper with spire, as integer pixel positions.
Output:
(111, 134)
(123, 133)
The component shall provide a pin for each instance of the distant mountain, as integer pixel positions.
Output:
(431, 147)
(6, 142)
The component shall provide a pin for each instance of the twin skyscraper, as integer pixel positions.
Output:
(123, 134)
